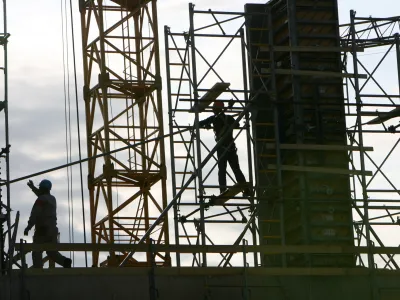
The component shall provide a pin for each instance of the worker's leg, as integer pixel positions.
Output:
(37, 259)
(56, 256)
(222, 160)
(234, 163)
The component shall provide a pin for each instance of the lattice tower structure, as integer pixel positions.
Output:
(301, 159)
(123, 104)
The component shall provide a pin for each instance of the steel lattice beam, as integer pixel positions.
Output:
(123, 106)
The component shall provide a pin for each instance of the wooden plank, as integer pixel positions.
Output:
(313, 73)
(385, 116)
(228, 194)
(210, 96)
(131, 4)
(320, 170)
(318, 147)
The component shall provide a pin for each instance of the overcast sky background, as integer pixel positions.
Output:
(36, 94)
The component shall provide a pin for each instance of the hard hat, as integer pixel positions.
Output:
(45, 184)
(218, 104)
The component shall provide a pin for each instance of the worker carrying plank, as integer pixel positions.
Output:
(44, 218)
(221, 123)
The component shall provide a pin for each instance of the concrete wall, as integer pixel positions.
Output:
(200, 284)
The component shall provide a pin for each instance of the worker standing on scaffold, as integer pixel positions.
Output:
(44, 218)
(221, 123)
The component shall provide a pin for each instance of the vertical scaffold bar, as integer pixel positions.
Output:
(360, 135)
(362, 158)
(171, 141)
(7, 137)
(398, 58)
(276, 131)
(248, 133)
(197, 130)
(158, 82)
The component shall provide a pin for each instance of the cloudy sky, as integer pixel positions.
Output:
(37, 99)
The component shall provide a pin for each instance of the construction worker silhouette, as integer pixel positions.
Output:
(44, 218)
(220, 122)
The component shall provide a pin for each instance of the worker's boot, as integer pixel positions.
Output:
(247, 191)
(67, 263)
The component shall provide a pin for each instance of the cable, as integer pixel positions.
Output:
(93, 157)
(66, 122)
(78, 129)
(69, 154)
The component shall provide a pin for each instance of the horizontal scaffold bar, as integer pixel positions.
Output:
(320, 170)
(318, 147)
(312, 73)
(320, 249)
(265, 47)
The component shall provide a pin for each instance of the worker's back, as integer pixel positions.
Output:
(47, 213)
(221, 125)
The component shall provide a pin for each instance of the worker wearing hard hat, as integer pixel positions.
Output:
(221, 123)
(44, 218)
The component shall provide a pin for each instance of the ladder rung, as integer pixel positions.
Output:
(319, 147)
(277, 237)
(183, 95)
(182, 157)
(258, 29)
(295, 168)
(270, 221)
(183, 173)
(177, 49)
(178, 64)
(267, 155)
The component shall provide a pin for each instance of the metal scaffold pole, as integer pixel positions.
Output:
(197, 131)
(360, 136)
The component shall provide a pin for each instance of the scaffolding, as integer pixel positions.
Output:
(8, 227)
(197, 74)
(123, 104)
(310, 171)
(371, 106)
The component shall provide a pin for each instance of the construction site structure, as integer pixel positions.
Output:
(8, 227)
(122, 91)
(194, 80)
(306, 103)
(299, 129)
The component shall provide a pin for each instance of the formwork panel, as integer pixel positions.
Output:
(306, 190)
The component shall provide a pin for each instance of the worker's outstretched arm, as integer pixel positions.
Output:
(206, 123)
(33, 187)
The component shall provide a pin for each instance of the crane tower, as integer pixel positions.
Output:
(122, 92)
